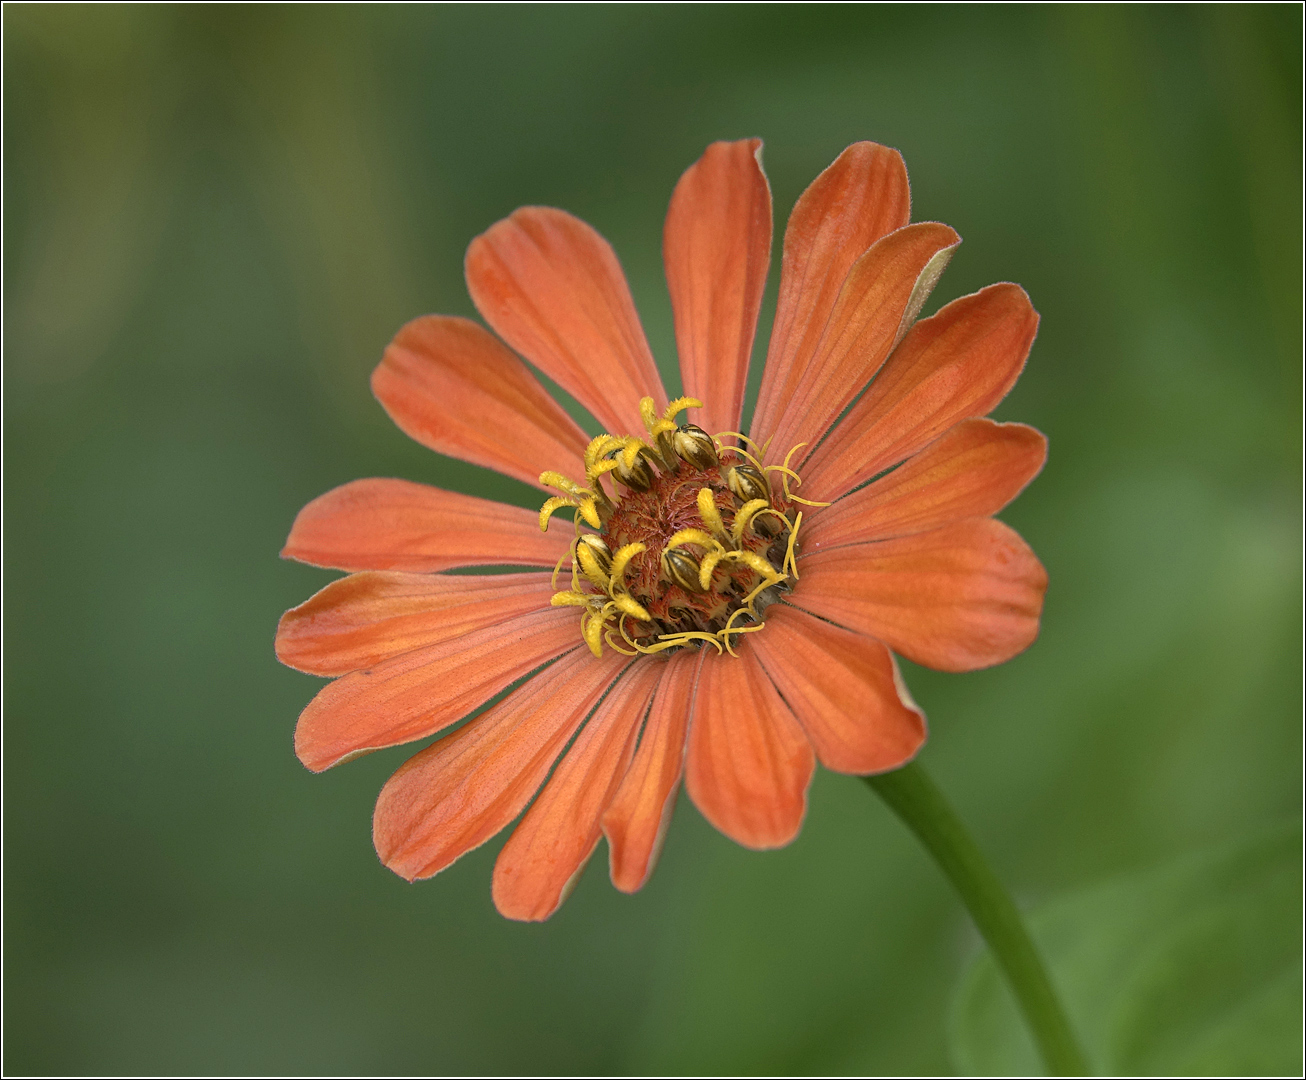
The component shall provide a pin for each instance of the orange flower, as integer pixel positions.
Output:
(729, 602)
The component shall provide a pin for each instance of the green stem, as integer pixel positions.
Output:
(913, 796)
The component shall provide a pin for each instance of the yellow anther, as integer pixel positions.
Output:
(621, 560)
(662, 427)
(807, 502)
(589, 510)
(744, 515)
(710, 514)
(591, 629)
(627, 605)
(706, 570)
(679, 405)
(552, 506)
(648, 411)
(570, 598)
(790, 565)
(600, 468)
(631, 450)
(599, 445)
(552, 479)
(692, 536)
(756, 563)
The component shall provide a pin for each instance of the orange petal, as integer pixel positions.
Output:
(956, 364)
(973, 470)
(879, 300)
(636, 822)
(542, 860)
(845, 690)
(716, 246)
(961, 597)
(398, 525)
(749, 763)
(461, 790)
(552, 288)
(366, 618)
(417, 693)
(861, 197)
(450, 384)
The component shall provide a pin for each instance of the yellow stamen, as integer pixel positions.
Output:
(552, 479)
(790, 565)
(552, 506)
(599, 445)
(679, 405)
(709, 564)
(648, 411)
(591, 629)
(627, 605)
(711, 516)
(692, 536)
(571, 598)
(589, 510)
(621, 560)
(744, 516)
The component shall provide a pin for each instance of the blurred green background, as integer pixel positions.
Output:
(215, 220)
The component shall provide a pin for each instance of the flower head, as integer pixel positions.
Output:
(723, 607)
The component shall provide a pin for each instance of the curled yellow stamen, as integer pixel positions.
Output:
(648, 412)
(557, 569)
(571, 598)
(711, 516)
(744, 516)
(552, 506)
(790, 565)
(621, 560)
(627, 605)
(552, 479)
(591, 629)
(708, 567)
(692, 536)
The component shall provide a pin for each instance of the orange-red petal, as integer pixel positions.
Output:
(845, 690)
(749, 763)
(879, 300)
(419, 692)
(461, 790)
(957, 598)
(716, 246)
(552, 288)
(958, 363)
(973, 470)
(636, 821)
(861, 197)
(452, 386)
(383, 524)
(363, 619)
(542, 860)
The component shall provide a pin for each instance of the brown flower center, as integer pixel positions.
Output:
(691, 544)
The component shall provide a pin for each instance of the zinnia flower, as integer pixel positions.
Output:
(724, 608)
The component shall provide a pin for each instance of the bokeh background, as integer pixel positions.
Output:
(215, 219)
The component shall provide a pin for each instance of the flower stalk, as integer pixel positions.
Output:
(917, 800)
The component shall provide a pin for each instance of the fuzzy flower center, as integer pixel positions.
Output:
(693, 542)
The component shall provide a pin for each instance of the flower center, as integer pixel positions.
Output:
(692, 544)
